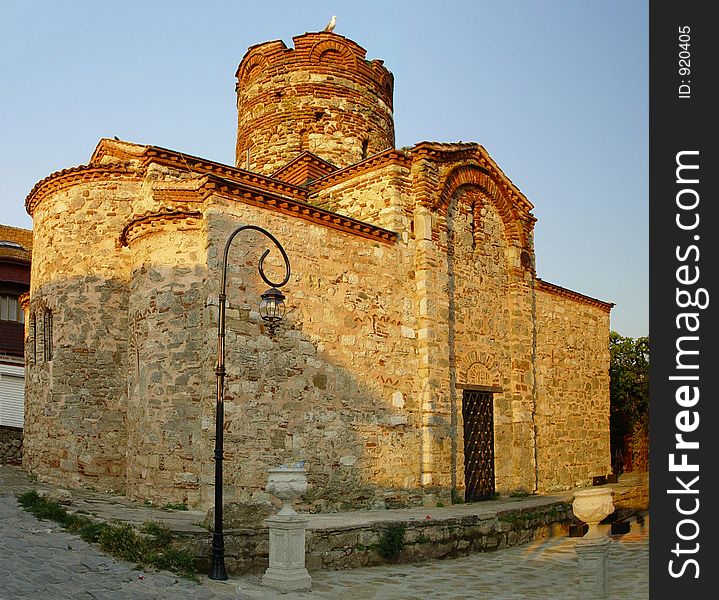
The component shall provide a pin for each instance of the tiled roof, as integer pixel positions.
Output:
(304, 169)
(552, 288)
(15, 243)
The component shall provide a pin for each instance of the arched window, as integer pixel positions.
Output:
(365, 147)
(47, 334)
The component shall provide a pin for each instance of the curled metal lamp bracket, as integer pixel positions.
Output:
(260, 266)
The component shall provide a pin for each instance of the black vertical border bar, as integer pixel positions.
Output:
(680, 120)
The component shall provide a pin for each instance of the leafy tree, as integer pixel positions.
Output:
(628, 386)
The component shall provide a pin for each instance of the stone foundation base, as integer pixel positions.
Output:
(287, 572)
(10, 445)
(592, 558)
(296, 580)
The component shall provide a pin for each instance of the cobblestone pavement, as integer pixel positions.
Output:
(539, 571)
(41, 561)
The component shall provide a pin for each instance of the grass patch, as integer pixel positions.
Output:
(519, 494)
(160, 532)
(175, 506)
(153, 546)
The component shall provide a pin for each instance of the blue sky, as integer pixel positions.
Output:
(555, 90)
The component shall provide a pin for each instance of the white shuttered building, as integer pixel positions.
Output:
(12, 392)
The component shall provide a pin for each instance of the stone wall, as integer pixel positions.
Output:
(10, 445)
(356, 546)
(485, 344)
(474, 308)
(572, 389)
(336, 384)
(380, 195)
(170, 362)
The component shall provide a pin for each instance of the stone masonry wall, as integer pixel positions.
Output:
(470, 312)
(356, 546)
(10, 445)
(75, 420)
(336, 384)
(487, 333)
(381, 196)
(573, 392)
(480, 327)
(78, 358)
(171, 365)
(321, 96)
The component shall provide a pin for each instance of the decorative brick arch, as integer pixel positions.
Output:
(331, 48)
(471, 175)
(478, 369)
(385, 79)
(251, 67)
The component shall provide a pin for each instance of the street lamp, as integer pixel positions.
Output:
(272, 309)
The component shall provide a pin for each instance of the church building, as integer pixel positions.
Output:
(421, 358)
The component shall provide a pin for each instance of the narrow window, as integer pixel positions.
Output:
(47, 333)
(475, 220)
(10, 309)
(33, 334)
(365, 146)
(5, 308)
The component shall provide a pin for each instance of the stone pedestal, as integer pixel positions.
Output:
(592, 558)
(592, 506)
(287, 572)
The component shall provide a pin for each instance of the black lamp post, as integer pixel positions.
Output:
(272, 309)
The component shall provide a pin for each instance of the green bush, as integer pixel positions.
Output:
(391, 541)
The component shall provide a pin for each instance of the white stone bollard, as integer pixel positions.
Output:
(591, 506)
(286, 571)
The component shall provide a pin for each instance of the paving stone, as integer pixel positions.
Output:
(40, 562)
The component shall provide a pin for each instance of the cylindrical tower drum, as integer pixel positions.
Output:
(168, 367)
(321, 96)
(75, 402)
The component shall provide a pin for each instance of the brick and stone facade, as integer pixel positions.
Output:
(15, 254)
(413, 279)
(320, 96)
